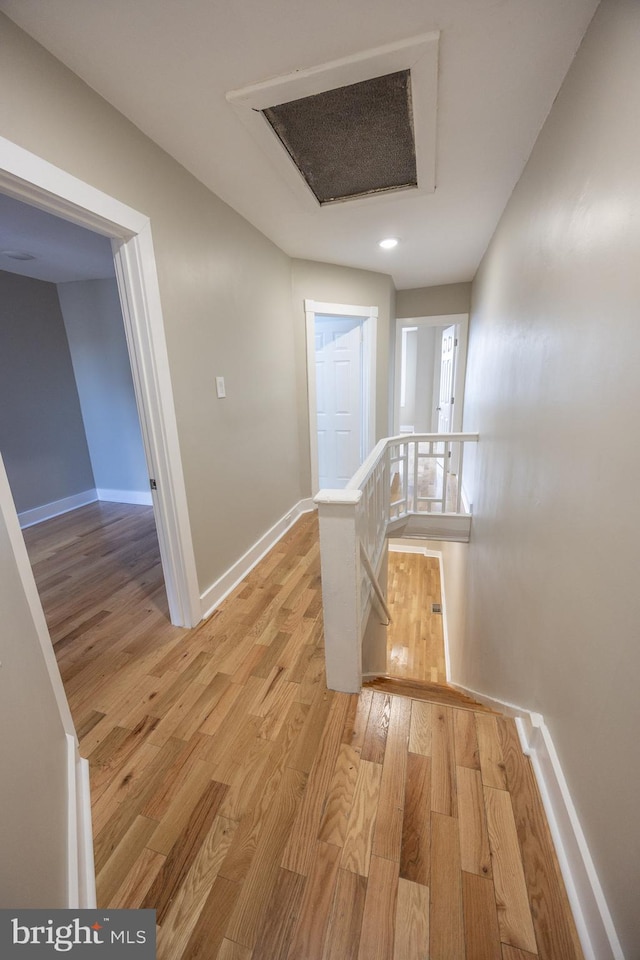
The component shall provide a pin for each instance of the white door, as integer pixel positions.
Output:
(338, 347)
(447, 368)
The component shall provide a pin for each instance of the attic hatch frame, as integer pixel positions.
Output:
(417, 54)
(29, 178)
(353, 141)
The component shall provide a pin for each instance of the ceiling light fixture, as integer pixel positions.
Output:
(389, 243)
(17, 254)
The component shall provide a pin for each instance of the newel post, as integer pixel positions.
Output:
(340, 565)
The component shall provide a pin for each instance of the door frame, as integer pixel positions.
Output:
(29, 178)
(461, 320)
(369, 317)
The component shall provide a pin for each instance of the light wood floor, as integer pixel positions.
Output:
(415, 642)
(263, 816)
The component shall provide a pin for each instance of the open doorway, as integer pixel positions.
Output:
(26, 177)
(428, 399)
(430, 369)
(69, 429)
(341, 358)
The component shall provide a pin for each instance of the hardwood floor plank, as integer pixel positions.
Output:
(556, 933)
(183, 912)
(240, 856)
(378, 921)
(490, 749)
(208, 933)
(333, 826)
(358, 841)
(114, 751)
(514, 914)
(482, 937)
(446, 925)
(377, 728)
(209, 698)
(443, 762)
(184, 850)
(246, 778)
(345, 921)
(299, 851)
(133, 889)
(421, 720)
(253, 901)
(412, 922)
(512, 953)
(466, 740)
(313, 916)
(416, 830)
(124, 814)
(221, 710)
(224, 789)
(178, 814)
(357, 720)
(306, 746)
(233, 951)
(121, 862)
(387, 840)
(125, 782)
(475, 854)
(274, 938)
(186, 758)
(270, 656)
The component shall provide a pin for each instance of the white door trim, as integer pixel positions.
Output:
(27, 177)
(446, 320)
(369, 316)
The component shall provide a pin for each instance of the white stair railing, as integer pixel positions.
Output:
(409, 485)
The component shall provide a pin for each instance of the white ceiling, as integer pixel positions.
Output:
(62, 251)
(168, 66)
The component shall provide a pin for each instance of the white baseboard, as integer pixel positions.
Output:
(215, 594)
(86, 866)
(81, 882)
(409, 546)
(593, 920)
(28, 518)
(140, 497)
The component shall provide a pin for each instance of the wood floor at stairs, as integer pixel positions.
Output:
(263, 816)
(430, 692)
(415, 640)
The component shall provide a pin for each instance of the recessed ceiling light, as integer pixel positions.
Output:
(389, 243)
(17, 254)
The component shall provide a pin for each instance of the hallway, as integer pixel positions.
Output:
(263, 816)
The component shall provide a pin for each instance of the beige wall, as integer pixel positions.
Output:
(42, 435)
(95, 331)
(333, 284)
(554, 390)
(434, 301)
(33, 825)
(226, 299)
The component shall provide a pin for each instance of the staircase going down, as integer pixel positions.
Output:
(423, 690)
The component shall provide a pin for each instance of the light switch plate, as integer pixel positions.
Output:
(220, 387)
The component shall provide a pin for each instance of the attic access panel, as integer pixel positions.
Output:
(352, 141)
